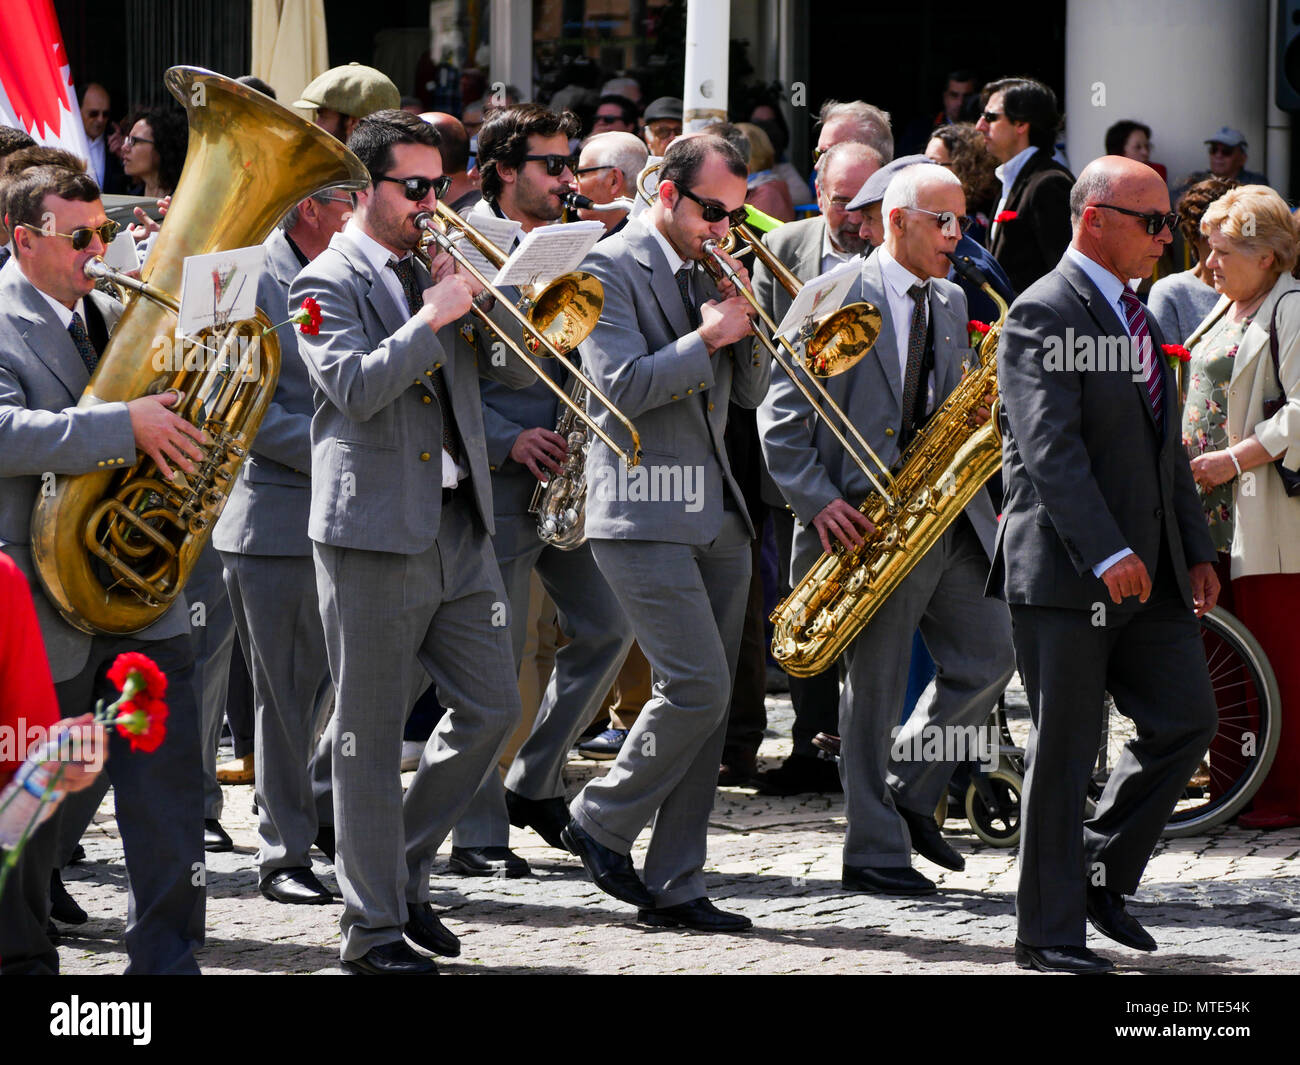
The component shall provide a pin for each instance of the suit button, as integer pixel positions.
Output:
(703, 385)
(101, 462)
(690, 391)
(437, 366)
(492, 469)
(676, 397)
(425, 456)
(710, 406)
(1160, 512)
(427, 399)
(428, 373)
(889, 432)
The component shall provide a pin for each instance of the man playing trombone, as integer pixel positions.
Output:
(679, 562)
(916, 361)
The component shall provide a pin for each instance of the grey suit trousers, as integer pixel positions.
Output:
(213, 641)
(1153, 663)
(274, 603)
(383, 612)
(687, 607)
(599, 635)
(969, 637)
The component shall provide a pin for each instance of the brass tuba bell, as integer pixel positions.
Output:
(114, 548)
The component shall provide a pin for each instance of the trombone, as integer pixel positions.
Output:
(554, 319)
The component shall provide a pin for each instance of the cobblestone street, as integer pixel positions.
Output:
(1226, 902)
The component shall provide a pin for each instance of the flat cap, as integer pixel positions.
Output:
(873, 189)
(664, 107)
(353, 90)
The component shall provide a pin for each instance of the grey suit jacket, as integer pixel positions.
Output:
(376, 433)
(799, 246)
(645, 356)
(269, 503)
(1085, 472)
(44, 431)
(808, 463)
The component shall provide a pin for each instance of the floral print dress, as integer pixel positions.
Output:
(1205, 416)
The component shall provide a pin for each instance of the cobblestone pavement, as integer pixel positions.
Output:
(1226, 902)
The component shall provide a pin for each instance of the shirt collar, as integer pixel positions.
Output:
(61, 312)
(1110, 286)
(375, 253)
(675, 261)
(829, 250)
(897, 277)
(1010, 170)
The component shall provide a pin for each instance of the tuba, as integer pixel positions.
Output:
(114, 548)
(939, 473)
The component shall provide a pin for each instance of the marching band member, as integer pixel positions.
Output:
(524, 160)
(400, 517)
(271, 579)
(663, 353)
(917, 360)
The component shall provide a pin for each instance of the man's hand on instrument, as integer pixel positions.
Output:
(162, 435)
(443, 264)
(725, 288)
(1128, 577)
(847, 524)
(1205, 587)
(725, 323)
(447, 300)
(539, 448)
(982, 413)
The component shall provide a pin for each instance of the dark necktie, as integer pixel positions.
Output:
(683, 277)
(915, 359)
(405, 271)
(82, 339)
(1137, 327)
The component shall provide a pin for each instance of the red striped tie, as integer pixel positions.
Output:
(1137, 327)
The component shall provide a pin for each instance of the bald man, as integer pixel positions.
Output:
(464, 192)
(105, 167)
(1104, 556)
(607, 168)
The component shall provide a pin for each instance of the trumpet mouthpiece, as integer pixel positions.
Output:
(424, 220)
(577, 201)
(97, 268)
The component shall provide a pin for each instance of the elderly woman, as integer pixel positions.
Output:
(1179, 301)
(1252, 242)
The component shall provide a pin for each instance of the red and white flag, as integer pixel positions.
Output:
(36, 93)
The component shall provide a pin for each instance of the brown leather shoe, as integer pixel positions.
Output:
(237, 771)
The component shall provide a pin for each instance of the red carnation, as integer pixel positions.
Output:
(977, 327)
(311, 326)
(143, 723)
(1006, 216)
(1177, 351)
(151, 679)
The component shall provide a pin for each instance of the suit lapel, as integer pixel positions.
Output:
(48, 340)
(647, 252)
(886, 348)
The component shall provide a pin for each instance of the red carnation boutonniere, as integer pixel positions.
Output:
(140, 715)
(1006, 216)
(976, 332)
(307, 318)
(1176, 353)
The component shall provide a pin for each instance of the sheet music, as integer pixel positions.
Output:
(503, 232)
(549, 251)
(820, 296)
(220, 287)
(122, 254)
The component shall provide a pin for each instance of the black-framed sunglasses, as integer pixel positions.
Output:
(1155, 220)
(991, 116)
(715, 212)
(950, 223)
(82, 235)
(555, 164)
(592, 169)
(417, 188)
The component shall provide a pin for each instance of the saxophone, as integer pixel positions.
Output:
(937, 476)
(560, 503)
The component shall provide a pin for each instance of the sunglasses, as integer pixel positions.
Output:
(950, 223)
(417, 188)
(96, 114)
(82, 235)
(555, 164)
(128, 141)
(592, 170)
(715, 212)
(1155, 220)
(1222, 149)
(991, 116)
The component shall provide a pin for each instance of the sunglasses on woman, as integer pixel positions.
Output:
(555, 164)
(417, 188)
(715, 212)
(82, 235)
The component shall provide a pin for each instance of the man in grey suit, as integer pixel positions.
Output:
(671, 536)
(53, 328)
(1105, 559)
(811, 247)
(271, 579)
(518, 148)
(917, 360)
(401, 511)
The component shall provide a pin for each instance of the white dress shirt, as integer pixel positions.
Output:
(898, 281)
(98, 160)
(831, 255)
(378, 256)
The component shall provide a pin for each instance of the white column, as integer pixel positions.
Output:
(1183, 67)
(704, 95)
(511, 53)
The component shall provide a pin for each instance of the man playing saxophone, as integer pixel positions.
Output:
(916, 362)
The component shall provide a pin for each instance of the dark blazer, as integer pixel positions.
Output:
(1086, 473)
(1029, 245)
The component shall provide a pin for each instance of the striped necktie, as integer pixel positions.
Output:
(1136, 319)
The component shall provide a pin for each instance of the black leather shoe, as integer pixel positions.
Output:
(63, 907)
(1107, 914)
(604, 747)
(891, 880)
(425, 930)
(699, 914)
(1079, 960)
(324, 841)
(610, 871)
(391, 959)
(215, 838)
(928, 841)
(296, 887)
(78, 854)
(546, 817)
(801, 773)
(488, 861)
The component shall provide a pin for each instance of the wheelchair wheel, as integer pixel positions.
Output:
(993, 809)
